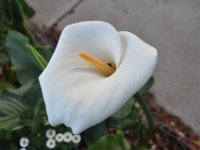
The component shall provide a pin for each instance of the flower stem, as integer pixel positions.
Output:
(147, 113)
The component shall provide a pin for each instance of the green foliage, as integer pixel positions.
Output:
(4, 59)
(25, 57)
(145, 133)
(20, 56)
(29, 93)
(44, 51)
(148, 85)
(6, 85)
(22, 110)
(13, 13)
(27, 10)
(140, 147)
(93, 134)
(126, 117)
(10, 108)
(37, 58)
(17, 105)
(111, 142)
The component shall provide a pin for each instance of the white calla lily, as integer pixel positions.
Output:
(75, 92)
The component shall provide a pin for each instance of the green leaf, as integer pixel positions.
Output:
(20, 106)
(93, 134)
(126, 109)
(45, 52)
(27, 9)
(6, 85)
(10, 123)
(21, 56)
(37, 58)
(29, 93)
(5, 135)
(31, 113)
(27, 114)
(9, 112)
(140, 147)
(125, 118)
(111, 142)
(4, 59)
(6, 11)
(129, 122)
(10, 107)
(13, 15)
(147, 85)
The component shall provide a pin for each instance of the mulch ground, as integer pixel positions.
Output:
(171, 133)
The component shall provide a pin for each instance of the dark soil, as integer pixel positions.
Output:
(171, 133)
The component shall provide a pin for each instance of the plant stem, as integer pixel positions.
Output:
(147, 112)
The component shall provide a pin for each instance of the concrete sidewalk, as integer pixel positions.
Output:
(172, 26)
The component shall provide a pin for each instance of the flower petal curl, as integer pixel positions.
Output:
(77, 94)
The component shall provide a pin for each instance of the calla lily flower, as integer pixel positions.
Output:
(92, 73)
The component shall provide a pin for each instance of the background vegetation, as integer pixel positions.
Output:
(22, 111)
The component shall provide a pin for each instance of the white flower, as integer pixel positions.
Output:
(24, 142)
(67, 137)
(75, 92)
(59, 137)
(51, 143)
(50, 133)
(76, 139)
(22, 148)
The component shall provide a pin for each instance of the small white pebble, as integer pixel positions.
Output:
(181, 134)
(153, 147)
(172, 123)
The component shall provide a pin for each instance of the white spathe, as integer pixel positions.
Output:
(75, 92)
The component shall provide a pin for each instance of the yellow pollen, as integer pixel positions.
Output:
(104, 68)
